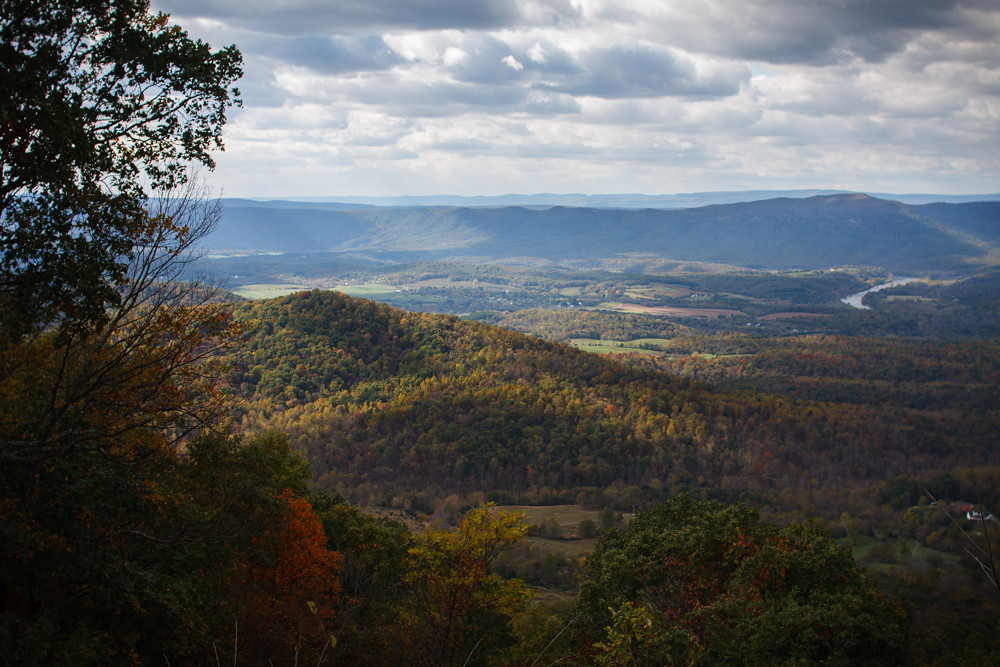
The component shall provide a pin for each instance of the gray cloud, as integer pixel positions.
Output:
(485, 61)
(770, 92)
(820, 32)
(344, 16)
(328, 55)
(643, 72)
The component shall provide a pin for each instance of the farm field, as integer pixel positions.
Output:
(880, 554)
(707, 313)
(366, 290)
(568, 516)
(638, 346)
(267, 290)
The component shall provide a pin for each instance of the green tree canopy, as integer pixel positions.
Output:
(705, 581)
(102, 101)
(459, 612)
(107, 564)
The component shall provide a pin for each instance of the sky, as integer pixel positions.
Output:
(488, 97)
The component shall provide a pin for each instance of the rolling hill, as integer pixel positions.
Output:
(385, 402)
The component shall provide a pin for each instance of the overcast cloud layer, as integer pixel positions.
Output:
(392, 97)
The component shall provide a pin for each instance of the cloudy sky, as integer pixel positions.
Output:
(483, 97)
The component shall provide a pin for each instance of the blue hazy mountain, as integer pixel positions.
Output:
(688, 200)
(781, 233)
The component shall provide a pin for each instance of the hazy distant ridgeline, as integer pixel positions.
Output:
(629, 200)
(814, 233)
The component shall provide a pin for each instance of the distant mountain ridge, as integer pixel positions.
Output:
(627, 200)
(785, 233)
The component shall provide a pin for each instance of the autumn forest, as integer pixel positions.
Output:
(552, 476)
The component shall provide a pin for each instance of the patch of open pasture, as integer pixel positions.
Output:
(567, 516)
(609, 346)
(367, 290)
(569, 548)
(267, 290)
(663, 292)
(637, 346)
(706, 313)
(880, 554)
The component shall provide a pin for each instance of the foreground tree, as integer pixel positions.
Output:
(291, 589)
(108, 564)
(143, 378)
(700, 581)
(101, 348)
(103, 102)
(374, 552)
(459, 613)
(109, 554)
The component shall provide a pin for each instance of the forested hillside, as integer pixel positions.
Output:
(386, 403)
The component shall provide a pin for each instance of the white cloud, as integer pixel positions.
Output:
(537, 53)
(412, 96)
(454, 56)
(511, 62)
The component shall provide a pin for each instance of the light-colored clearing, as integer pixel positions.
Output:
(448, 282)
(267, 290)
(707, 313)
(619, 346)
(372, 289)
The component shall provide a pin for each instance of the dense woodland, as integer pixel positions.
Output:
(386, 403)
(182, 474)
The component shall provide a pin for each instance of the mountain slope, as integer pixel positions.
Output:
(387, 402)
(814, 233)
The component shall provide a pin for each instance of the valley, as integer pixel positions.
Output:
(421, 415)
(837, 396)
(780, 267)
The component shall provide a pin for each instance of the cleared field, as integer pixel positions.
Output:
(659, 292)
(619, 346)
(706, 313)
(568, 548)
(883, 554)
(366, 290)
(567, 516)
(267, 290)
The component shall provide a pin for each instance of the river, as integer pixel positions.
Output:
(855, 300)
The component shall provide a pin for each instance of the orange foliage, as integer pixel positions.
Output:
(294, 588)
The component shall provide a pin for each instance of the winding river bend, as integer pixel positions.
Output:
(855, 300)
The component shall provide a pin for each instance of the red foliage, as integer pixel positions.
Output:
(293, 588)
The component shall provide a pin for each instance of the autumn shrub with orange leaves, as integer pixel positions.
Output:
(291, 588)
